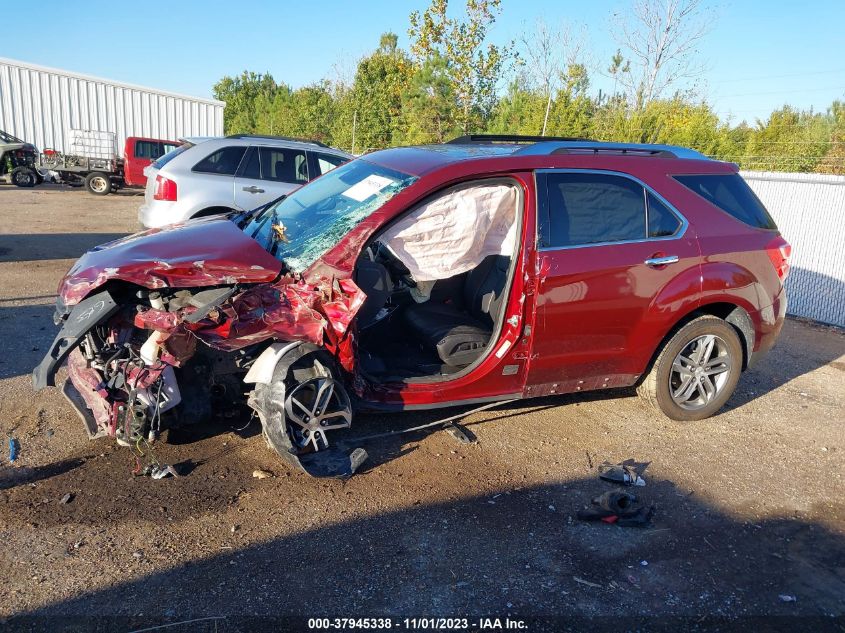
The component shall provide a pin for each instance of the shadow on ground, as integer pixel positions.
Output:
(519, 552)
(26, 247)
(26, 332)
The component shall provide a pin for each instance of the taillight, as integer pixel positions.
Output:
(165, 189)
(779, 251)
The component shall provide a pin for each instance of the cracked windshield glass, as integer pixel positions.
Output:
(301, 227)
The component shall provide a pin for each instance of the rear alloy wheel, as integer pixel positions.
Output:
(98, 183)
(24, 177)
(696, 371)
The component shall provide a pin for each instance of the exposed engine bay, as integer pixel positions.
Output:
(134, 357)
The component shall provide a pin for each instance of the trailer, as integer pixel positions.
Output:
(92, 160)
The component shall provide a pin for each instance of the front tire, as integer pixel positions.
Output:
(24, 177)
(98, 183)
(696, 372)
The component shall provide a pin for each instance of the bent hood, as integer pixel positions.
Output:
(204, 252)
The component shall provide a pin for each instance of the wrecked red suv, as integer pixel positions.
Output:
(484, 269)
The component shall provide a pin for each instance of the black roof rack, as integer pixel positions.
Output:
(474, 139)
(549, 145)
(617, 149)
(279, 138)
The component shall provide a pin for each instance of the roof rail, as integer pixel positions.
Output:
(597, 147)
(280, 138)
(474, 139)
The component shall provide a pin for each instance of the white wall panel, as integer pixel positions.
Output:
(810, 212)
(40, 105)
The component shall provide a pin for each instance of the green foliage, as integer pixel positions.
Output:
(472, 69)
(241, 95)
(446, 86)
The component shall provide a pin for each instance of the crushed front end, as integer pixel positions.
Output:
(141, 360)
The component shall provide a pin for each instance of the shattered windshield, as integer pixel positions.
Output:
(303, 226)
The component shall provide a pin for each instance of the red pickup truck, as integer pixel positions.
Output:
(93, 161)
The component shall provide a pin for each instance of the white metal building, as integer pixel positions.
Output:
(40, 105)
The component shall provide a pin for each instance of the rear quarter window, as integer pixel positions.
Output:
(732, 195)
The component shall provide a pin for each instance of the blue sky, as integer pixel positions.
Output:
(759, 54)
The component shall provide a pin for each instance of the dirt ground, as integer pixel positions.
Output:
(749, 520)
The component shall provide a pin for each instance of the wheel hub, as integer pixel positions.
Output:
(314, 407)
(700, 372)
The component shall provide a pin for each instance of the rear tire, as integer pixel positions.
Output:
(696, 372)
(23, 177)
(98, 183)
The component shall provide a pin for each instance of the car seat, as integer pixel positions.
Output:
(459, 336)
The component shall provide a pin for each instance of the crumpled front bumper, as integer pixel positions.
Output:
(82, 318)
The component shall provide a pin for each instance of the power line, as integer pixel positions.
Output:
(817, 72)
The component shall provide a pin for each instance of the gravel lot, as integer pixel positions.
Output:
(749, 519)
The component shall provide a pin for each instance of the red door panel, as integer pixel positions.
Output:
(602, 310)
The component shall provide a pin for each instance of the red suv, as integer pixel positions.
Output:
(481, 270)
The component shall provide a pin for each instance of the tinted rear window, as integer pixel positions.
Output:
(224, 161)
(732, 195)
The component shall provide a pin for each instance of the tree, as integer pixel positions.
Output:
(618, 66)
(380, 81)
(473, 71)
(661, 39)
(833, 161)
(428, 105)
(551, 56)
(241, 95)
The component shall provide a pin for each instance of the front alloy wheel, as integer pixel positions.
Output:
(696, 371)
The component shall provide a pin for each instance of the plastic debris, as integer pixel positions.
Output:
(621, 474)
(160, 471)
(66, 499)
(581, 581)
(787, 598)
(261, 474)
(14, 449)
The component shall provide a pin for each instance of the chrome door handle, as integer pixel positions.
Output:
(253, 189)
(661, 261)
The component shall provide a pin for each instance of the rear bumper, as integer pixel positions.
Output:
(768, 323)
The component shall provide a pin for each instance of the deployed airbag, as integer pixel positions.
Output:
(453, 233)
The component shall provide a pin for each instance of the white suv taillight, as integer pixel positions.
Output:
(779, 251)
(165, 189)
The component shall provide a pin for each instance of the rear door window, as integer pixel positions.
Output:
(284, 164)
(732, 195)
(592, 208)
(224, 161)
(251, 166)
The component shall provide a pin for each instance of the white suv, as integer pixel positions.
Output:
(240, 172)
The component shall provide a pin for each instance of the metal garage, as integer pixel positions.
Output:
(40, 105)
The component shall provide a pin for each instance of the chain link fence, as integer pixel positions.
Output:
(810, 212)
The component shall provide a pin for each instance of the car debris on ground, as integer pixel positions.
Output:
(619, 508)
(625, 473)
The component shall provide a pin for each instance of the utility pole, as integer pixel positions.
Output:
(354, 125)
